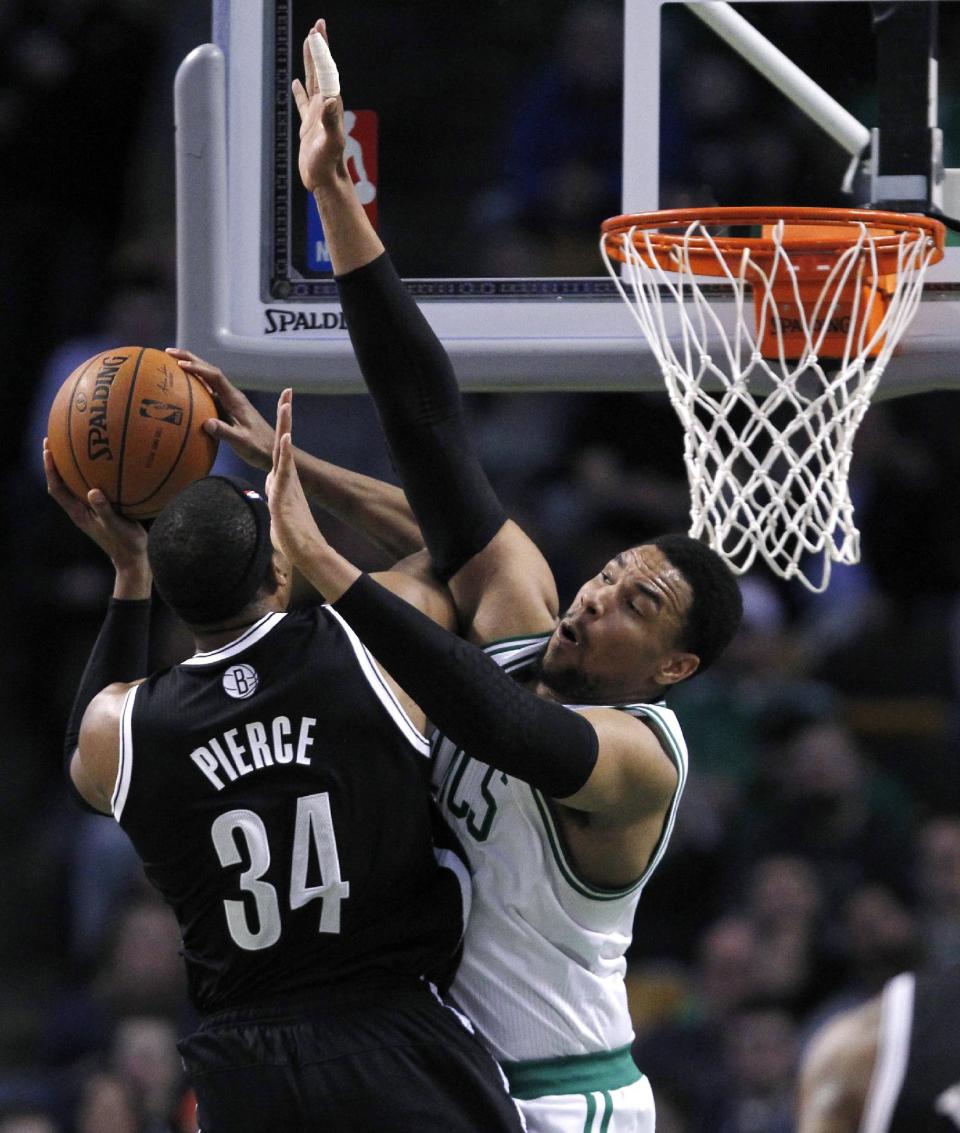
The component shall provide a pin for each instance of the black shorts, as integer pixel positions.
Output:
(384, 1060)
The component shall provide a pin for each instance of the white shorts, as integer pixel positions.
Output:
(602, 1093)
(628, 1109)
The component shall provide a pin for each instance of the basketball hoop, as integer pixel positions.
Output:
(770, 401)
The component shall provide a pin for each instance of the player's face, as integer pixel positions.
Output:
(618, 641)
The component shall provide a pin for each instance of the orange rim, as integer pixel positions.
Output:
(891, 226)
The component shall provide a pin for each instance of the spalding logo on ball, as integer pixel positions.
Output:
(128, 421)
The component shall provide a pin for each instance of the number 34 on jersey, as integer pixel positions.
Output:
(314, 834)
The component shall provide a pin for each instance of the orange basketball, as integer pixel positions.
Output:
(128, 422)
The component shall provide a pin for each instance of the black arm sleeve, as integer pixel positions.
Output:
(119, 654)
(469, 698)
(415, 390)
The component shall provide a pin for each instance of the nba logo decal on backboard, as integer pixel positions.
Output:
(240, 681)
(360, 155)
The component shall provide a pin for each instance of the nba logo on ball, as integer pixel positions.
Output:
(240, 681)
(161, 411)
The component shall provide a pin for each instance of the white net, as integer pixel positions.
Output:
(768, 419)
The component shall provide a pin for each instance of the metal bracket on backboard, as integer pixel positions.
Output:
(926, 188)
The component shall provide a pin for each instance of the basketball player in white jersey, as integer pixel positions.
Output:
(564, 814)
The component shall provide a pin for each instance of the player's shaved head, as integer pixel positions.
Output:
(210, 549)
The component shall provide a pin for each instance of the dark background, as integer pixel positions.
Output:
(818, 848)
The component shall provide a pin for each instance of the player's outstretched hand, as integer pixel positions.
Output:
(241, 426)
(293, 528)
(322, 138)
(124, 540)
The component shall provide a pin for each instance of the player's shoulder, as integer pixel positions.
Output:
(505, 586)
(104, 712)
(644, 727)
(849, 1033)
(837, 1065)
(94, 765)
(635, 775)
(109, 701)
(639, 733)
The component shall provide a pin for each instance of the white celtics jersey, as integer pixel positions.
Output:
(543, 962)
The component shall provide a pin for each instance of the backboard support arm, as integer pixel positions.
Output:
(903, 167)
(785, 75)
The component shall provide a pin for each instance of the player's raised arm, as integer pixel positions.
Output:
(293, 527)
(120, 651)
(601, 761)
(492, 566)
(377, 510)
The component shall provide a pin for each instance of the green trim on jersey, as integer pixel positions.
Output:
(573, 1074)
(599, 892)
(645, 712)
(585, 889)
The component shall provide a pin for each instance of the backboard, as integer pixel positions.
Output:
(491, 143)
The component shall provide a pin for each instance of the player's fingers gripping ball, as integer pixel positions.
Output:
(129, 422)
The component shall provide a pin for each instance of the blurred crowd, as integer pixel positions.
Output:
(817, 850)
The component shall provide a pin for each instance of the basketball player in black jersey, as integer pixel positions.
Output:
(889, 1066)
(275, 788)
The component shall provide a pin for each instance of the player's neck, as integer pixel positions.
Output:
(570, 692)
(216, 636)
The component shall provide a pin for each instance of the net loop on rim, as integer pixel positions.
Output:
(771, 344)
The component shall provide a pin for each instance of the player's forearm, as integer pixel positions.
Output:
(327, 571)
(377, 510)
(461, 689)
(132, 582)
(350, 237)
(118, 654)
(467, 696)
(415, 389)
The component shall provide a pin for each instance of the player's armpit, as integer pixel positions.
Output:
(413, 580)
(633, 777)
(506, 589)
(93, 768)
(466, 694)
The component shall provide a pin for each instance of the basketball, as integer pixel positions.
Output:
(128, 421)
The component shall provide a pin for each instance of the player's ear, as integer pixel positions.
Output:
(280, 569)
(677, 667)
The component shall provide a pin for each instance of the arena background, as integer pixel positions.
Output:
(818, 846)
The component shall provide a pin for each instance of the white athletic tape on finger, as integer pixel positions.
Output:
(328, 77)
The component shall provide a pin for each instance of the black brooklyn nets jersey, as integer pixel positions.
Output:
(277, 795)
(915, 1086)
